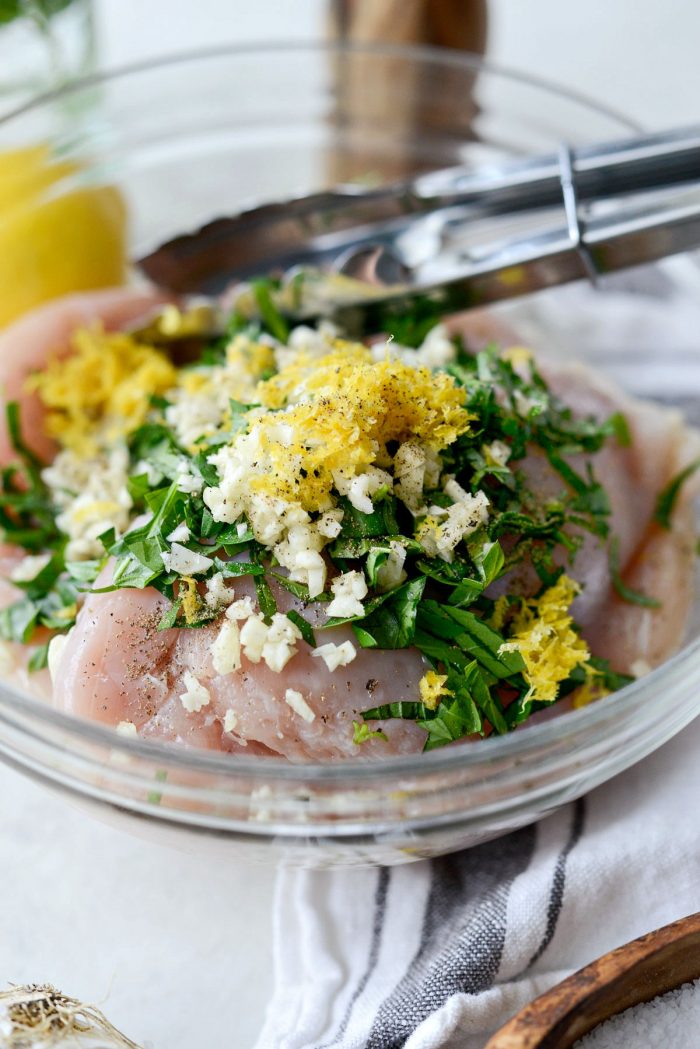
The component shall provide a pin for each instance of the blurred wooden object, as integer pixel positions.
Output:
(443, 23)
(387, 92)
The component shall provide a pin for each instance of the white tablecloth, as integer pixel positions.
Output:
(175, 949)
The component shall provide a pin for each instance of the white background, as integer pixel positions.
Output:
(177, 948)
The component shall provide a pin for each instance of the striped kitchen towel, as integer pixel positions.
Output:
(440, 953)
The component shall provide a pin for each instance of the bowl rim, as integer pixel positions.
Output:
(484, 752)
(424, 53)
(480, 752)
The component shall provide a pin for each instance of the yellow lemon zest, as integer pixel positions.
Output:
(498, 616)
(309, 374)
(591, 690)
(341, 411)
(429, 528)
(432, 689)
(102, 391)
(250, 359)
(191, 601)
(195, 382)
(543, 633)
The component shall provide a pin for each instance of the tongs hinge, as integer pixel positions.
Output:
(567, 178)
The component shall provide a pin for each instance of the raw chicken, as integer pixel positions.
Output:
(24, 347)
(654, 561)
(116, 666)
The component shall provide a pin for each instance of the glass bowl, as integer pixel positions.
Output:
(201, 135)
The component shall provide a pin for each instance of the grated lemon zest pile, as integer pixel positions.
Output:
(544, 635)
(340, 413)
(432, 689)
(102, 391)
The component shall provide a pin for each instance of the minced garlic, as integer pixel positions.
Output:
(226, 648)
(335, 656)
(185, 562)
(56, 648)
(230, 720)
(348, 591)
(299, 705)
(92, 497)
(439, 538)
(196, 695)
(127, 729)
(217, 594)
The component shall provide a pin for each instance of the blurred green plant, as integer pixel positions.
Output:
(39, 10)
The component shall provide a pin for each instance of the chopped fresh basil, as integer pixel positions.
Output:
(266, 599)
(667, 499)
(39, 658)
(361, 732)
(270, 315)
(393, 623)
(304, 626)
(632, 597)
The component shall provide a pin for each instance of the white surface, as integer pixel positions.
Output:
(174, 949)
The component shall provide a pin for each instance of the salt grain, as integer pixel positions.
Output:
(672, 1020)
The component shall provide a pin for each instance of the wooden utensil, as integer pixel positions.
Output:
(637, 972)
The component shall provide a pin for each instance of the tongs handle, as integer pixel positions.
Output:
(627, 166)
(469, 237)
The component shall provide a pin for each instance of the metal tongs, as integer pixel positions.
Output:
(466, 237)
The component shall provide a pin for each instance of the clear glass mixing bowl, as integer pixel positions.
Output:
(199, 136)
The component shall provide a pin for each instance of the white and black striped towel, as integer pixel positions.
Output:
(441, 953)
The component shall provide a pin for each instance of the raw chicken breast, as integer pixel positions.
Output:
(24, 347)
(654, 561)
(116, 666)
